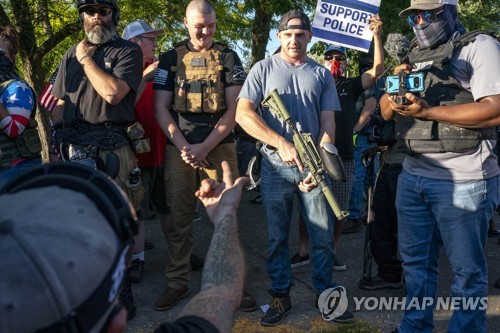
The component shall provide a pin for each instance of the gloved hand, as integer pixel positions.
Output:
(368, 154)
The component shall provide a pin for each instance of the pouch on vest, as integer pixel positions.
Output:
(199, 87)
(28, 143)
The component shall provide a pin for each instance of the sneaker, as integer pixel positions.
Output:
(126, 297)
(346, 317)
(377, 283)
(248, 303)
(169, 298)
(196, 262)
(338, 265)
(352, 225)
(148, 245)
(257, 200)
(136, 270)
(280, 307)
(297, 260)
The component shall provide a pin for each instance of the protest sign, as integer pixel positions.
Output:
(345, 22)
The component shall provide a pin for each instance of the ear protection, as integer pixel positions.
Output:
(114, 206)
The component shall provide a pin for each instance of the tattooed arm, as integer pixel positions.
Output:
(223, 275)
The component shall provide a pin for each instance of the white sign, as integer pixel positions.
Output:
(345, 22)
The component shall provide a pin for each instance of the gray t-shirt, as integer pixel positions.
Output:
(477, 68)
(306, 90)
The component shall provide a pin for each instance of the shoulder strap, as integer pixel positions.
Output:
(219, 46)
(470, 37)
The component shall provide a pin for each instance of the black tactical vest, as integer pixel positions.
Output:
(441, 88)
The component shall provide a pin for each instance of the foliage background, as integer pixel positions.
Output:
(49, 27)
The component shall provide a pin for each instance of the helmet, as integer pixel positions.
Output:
(111, 3)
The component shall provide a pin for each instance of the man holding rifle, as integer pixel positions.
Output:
(308, 93)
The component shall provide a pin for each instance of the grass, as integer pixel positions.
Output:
(317, 325)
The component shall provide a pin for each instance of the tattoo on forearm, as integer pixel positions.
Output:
(224, 261)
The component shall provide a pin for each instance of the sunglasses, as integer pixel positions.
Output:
(427, 17)
(103, 11)
(337, 57)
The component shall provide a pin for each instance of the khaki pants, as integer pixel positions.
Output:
(128, 161)
(182, 181)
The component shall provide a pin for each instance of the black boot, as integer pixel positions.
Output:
(126, 296)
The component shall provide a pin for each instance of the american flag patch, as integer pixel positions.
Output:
(46, 99)
(161, 76)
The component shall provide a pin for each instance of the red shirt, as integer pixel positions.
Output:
(144, 113)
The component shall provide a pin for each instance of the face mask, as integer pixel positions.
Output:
(336, 68)
(441, 30)
(5, 63)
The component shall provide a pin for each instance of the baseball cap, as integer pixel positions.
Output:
(426, 5)
(63, 257)
(335, 47)
(305, 23)
(140, 27)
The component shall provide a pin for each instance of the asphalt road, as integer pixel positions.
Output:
(303, 317)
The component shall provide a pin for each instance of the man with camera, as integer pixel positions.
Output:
(448, 189)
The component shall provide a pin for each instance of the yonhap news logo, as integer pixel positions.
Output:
(332, 303)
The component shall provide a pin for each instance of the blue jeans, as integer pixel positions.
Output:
(356, 198)
(278, 188)
(11, 172)
(454, 214)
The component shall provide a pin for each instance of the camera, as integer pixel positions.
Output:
(413, 83)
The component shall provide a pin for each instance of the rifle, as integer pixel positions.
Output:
(309, 155)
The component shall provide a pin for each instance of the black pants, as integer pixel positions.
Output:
(384, 227)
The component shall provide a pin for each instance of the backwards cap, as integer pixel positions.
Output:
(305, 23)
(417, 5)
(63, 260)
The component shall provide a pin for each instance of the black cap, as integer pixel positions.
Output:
(305, 23)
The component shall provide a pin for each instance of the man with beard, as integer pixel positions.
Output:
(448, 188)
(96, 87)
(196, 85)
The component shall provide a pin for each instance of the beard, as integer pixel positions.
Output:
(99, 32)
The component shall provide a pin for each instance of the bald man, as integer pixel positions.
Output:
(196, 85)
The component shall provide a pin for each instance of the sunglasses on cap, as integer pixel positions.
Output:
(428, 16)
(103, 11)
(338, 57)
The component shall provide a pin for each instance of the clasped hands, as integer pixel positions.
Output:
(195, 155)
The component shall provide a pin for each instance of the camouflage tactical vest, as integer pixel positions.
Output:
(198, 80)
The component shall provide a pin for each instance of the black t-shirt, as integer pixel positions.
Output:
(189, 324)
(348, 91)
(196, 127)
(120, 58)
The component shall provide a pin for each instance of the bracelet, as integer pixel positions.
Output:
(81, 59)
